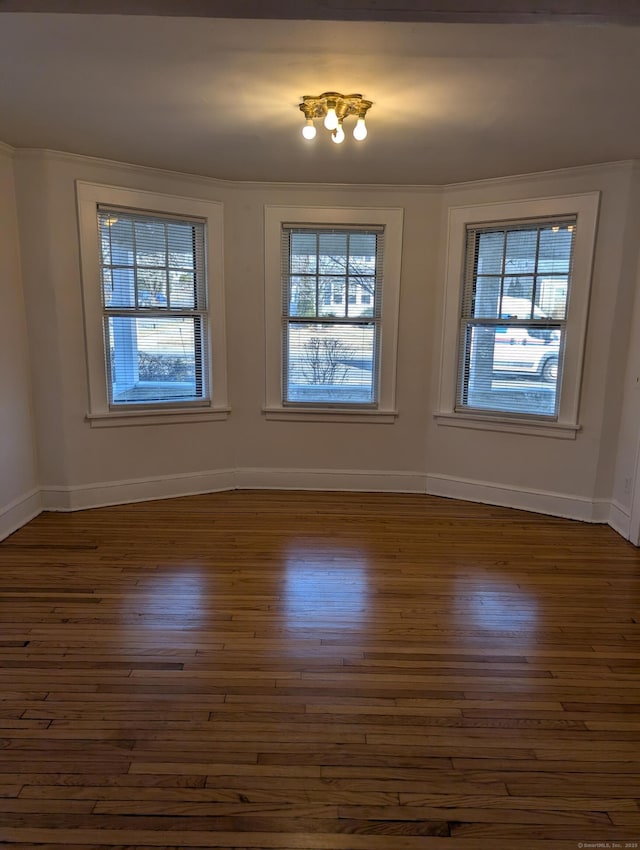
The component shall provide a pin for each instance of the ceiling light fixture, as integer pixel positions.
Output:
(333, 108)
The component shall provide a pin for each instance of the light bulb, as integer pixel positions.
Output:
(360, 130)
(338, 134)
(309, 131)
(331, 119)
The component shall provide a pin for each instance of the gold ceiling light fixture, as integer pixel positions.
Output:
(333, 108)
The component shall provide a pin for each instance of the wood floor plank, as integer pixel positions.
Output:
(318, 671)
(139, 839)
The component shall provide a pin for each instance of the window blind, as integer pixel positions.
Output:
(517, 281)
(153, 286)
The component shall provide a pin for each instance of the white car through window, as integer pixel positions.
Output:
(525, 350)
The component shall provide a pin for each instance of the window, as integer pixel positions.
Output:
(152, 287)
(332, 287)
(154, 308)
(513, 322)
(518, 281)
(330, 353)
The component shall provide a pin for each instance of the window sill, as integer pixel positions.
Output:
(508, 425)
(329, 414)
(117, 418)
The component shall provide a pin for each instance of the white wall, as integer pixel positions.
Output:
(83, 465)
(625, 501)
(19, 496)
(79, 457)
(73, 454)
(568, 477)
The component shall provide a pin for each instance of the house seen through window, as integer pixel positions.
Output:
(517, 282)
(331, 314)
(154, 308)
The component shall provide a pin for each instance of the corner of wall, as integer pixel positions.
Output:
(19, 496)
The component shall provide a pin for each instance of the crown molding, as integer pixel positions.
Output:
(67, 156)
(218, 182)
(631, 165)
(568, 171)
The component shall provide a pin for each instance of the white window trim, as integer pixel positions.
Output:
(89, 195)
(566, 426)
(392, 219)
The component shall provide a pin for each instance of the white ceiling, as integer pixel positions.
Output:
(219, 97)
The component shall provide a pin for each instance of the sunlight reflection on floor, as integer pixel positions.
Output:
(495, 609)
(327, 589)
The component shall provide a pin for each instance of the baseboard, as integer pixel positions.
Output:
(18, 512)
(620, 519)
(172, 486)
(136, 490)
(377, 481)
(537, 501)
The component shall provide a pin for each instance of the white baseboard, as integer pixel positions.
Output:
(620, 519)
(538, 501)
(173, 486)
(375, 481)
(136, 490)
(18, 512)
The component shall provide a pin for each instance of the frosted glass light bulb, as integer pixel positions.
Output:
(331, 119)
(309, 131)
(360, 130)
(338, 135)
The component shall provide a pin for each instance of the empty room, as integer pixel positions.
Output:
(319, 425)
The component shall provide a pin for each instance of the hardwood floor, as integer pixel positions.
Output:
(322, 671)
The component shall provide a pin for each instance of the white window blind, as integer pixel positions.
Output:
(152, 271)
(517, 283)
(331, 314)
